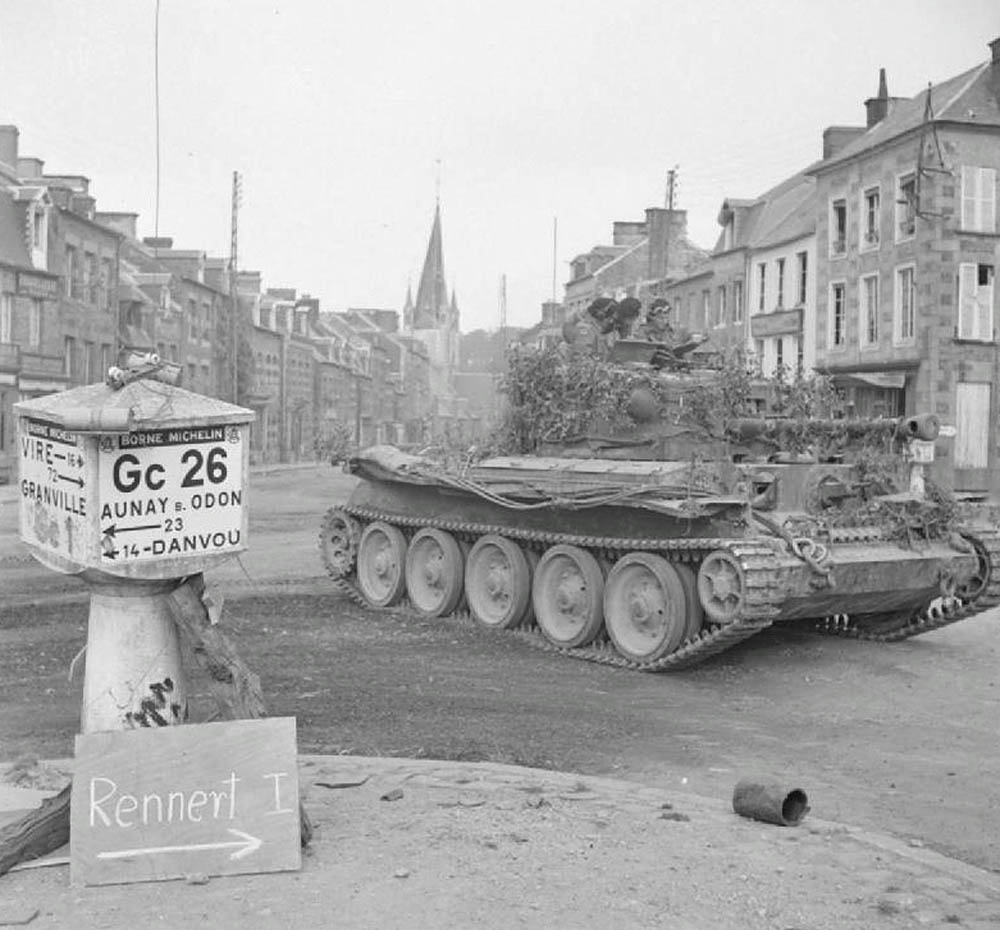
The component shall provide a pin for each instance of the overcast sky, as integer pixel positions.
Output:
(344, 119)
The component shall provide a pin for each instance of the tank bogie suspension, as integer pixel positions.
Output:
(647, 604)
(640, 605)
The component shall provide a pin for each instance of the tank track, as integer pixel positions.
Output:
(948, 611)
(756, 557)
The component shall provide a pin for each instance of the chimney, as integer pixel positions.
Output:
(8, 145)
(995, 51)
(124, 223)
(877, 107)
(836, 138)
(664, 228)
(30, 168)
(83, 205)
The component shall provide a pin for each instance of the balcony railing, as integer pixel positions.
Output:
(34, 363)
(10, 356)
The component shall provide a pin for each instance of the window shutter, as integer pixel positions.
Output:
(987, 200)
(967, 283)
(984, 299)
(969, 197)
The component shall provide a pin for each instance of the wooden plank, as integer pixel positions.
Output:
(37, 833)
(212, 798)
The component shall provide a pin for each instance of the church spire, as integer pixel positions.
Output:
(408, 308)
(430, 309)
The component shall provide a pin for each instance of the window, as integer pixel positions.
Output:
(737, 301)
(803, 260)
(871, 201)
(105, 360)
(799, 354)
(781, 283)
(975, 301)
(838, 316)
(35, 323)
(105, 286)
(761, 286)
(979, 199)
(71, 270)
(6, 317)
(173, 352)
(89, 361)
(191, 371)
(720, 319)
(838, 227)
(906, 206)
(779, 356)
(69, 356)
(904, 297)
(706, 308)
(91, 279)
(38, 228)
(869, 310)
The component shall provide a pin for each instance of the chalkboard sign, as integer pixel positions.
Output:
(166, 802)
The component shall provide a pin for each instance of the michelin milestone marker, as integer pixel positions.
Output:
(170, 492)
(127, 484)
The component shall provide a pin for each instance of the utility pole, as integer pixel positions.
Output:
(671, 187)
(671, 195)
(555, 239)
(233, 289)
(503, 316)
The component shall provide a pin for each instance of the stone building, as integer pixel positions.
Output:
(643, 254)
(908, 245)
(31, 347)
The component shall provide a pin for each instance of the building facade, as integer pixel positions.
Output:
(908, 245)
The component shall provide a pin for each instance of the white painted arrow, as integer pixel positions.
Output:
(248, 844)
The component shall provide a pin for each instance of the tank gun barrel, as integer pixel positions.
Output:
(926, 426)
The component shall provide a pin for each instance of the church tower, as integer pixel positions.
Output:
(434, 319)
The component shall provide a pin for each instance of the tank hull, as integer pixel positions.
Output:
(867, 577)
(654, 566)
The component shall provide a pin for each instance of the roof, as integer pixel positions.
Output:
(784, 212)
(789, 214)
(13, 245)
(128, 291)
(972, 97)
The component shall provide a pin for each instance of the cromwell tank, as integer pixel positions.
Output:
(654, 542)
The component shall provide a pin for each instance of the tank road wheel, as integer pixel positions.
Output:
(694, 612)
(567, 596)
(381, 553)
(497, 582)
(338, 543)
(533, 558)
(721, 587)
(434, 572)
(645, 606)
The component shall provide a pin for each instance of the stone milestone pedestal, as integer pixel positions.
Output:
(137, 488)
(133, 489)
